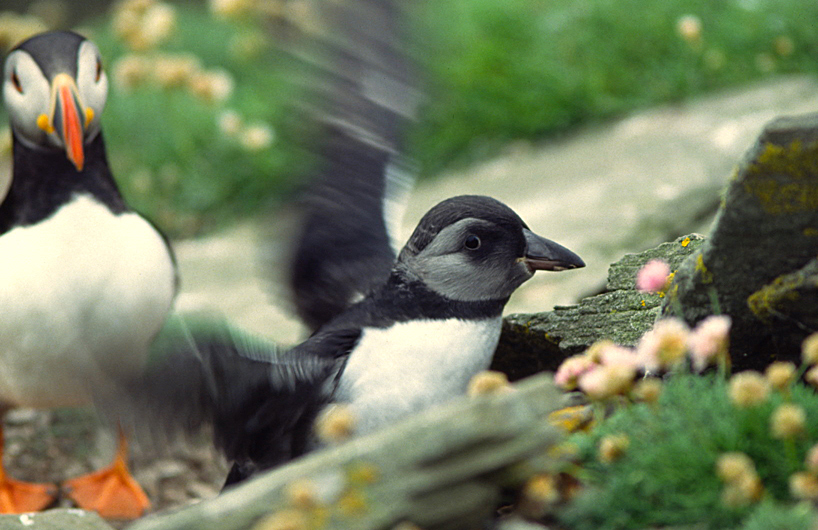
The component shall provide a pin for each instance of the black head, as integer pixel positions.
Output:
(54, 89)
(474, 248)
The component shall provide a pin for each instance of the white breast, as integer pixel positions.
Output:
(81, 296)
(413, 365)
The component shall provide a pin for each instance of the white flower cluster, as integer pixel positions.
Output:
(252, 137)
(144, 24)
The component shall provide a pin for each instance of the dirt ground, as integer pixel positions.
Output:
(52, 446)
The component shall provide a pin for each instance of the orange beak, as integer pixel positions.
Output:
(65, 118)
(71, 126)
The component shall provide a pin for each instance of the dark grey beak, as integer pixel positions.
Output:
(545, 255)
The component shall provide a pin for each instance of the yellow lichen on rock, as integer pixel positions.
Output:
(353, 503)
(287, 519)
(362, 473)
(766, 302)
(701, 268)
(785, 178)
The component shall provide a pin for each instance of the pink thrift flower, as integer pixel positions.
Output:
(594, 383)
(614, 355)
(603, 382)
(652, 277)
(665, 345)
(571, 369)
(709, 341)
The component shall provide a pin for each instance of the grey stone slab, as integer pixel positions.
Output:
(443, 468)
(62, 519)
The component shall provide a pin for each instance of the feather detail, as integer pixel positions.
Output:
(258, 399)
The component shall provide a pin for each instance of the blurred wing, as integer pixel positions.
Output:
(259, 400)
(352, 206)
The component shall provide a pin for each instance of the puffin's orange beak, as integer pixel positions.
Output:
(65, 119)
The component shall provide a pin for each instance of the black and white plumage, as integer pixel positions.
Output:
(413, 342)
(87, 283)
(363, 97)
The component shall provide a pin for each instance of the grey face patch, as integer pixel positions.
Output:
(491, 272)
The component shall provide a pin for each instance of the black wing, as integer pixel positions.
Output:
(259, 400)
(364, 99)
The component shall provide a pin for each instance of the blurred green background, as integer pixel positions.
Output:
(198, 121)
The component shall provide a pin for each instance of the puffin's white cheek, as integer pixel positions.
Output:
(93, 92)
(100, 96)
(33, 99)
(16, 103)
(22, 115)
(93, 99)
(8, 95)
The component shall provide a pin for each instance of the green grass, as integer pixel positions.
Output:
(667, 476)
(494, 71)
(165, 146)
(537, 67)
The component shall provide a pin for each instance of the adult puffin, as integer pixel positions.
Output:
(86, 282)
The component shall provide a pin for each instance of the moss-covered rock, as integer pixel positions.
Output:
(535, 342)
(766, 231)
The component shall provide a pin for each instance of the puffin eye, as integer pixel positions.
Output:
(16, 81)
(99, 71)
(472, 242)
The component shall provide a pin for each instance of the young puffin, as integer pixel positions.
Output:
(87, 283)
(415, 341)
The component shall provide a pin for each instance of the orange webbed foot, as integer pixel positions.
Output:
(17, 496)
(111, 492)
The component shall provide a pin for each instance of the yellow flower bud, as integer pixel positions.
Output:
(787, 421)
(804, 486)
(647, 390)
(811, 376)
(594, 351)
(730, 467)
(780, 374)
(746, 490)
(809, 350)
(539, 493)
(612, 447)
(742, 485)
(689, 28)
(748, 389)
(488, 382)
